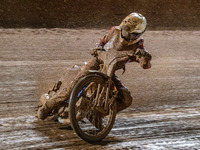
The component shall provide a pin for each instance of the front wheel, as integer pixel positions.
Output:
(87, 108)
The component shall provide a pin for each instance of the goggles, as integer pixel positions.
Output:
(132, 36)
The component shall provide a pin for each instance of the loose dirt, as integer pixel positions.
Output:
(165, 113)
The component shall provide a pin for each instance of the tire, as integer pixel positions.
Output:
(87, 134)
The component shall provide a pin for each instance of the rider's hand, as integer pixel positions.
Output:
(143, 53)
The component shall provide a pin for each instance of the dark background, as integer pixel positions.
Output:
(171, 14)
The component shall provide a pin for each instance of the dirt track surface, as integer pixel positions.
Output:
(165, 113)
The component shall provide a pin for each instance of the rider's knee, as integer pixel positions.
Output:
(44, 98)
(126, 97)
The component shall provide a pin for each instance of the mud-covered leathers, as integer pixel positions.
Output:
(113, 49)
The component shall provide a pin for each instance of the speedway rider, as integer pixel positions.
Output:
(123, 39)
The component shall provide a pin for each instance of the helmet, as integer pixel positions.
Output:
(135, 22)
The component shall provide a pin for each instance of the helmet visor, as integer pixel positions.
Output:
(134, 35)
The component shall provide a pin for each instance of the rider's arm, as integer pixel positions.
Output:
(105, 39)
(141, 44)
(140, 48)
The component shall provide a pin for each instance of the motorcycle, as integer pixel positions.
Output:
(92, 105)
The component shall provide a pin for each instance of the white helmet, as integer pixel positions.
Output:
(135, 22)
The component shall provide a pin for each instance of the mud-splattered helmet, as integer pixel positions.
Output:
(134, 25)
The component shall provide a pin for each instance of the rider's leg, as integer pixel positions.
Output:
(53, 103)
(124, 98)
(50, 93)
(58, 91)
(64, 93)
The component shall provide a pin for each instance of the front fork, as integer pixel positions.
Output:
(110, 73)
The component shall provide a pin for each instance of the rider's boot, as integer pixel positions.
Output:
(55, 100)
(43, 109)
(48, 107)
(43, 112)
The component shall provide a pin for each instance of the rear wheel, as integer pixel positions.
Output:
(87, 113)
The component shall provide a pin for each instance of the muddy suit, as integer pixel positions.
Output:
(112, 51)
(117, 55)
